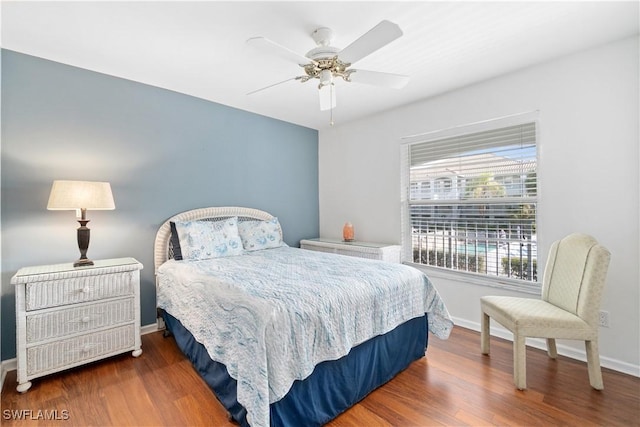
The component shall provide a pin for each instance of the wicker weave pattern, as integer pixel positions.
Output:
(65, 271)
(63, 315)
(76, 320)
(320, 249)
(389, 253)
(359, 254)
(55, 292)
(369, 255)
(52, 356)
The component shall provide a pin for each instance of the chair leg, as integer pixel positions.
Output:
(484, 333)
(551, 348)
(593, 363)
(519, 361)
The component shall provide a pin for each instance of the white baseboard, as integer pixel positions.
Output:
(3, 374)
(605, 362)
(11, 364)
(6, 366)
(150, 328)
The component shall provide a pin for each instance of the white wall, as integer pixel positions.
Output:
(588, 174)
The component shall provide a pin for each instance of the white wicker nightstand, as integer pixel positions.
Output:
(68, 316)
(380, 251)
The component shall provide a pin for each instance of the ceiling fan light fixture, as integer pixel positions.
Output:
(326, 78)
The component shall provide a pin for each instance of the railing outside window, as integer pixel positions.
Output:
(496, 246)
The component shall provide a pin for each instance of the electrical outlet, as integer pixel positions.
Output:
(604, 318)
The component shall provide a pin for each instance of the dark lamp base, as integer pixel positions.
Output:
(82, 262)
(83, 242)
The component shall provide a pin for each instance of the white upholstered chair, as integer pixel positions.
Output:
(569, 308)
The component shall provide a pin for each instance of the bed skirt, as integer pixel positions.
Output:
(333, 387)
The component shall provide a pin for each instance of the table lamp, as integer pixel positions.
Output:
(80, 196)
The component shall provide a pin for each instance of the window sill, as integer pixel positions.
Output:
(476, 279)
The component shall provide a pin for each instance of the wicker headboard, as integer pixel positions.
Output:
(162, 248)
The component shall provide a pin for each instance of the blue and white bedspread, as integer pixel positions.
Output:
(271, 315)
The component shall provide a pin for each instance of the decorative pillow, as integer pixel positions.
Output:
(175, 242)
(209, 239)
(258, 235)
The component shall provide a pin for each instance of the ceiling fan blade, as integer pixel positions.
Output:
(327, 96)
(395, 81)
(272, 85)
(279, 50)
(380, 35)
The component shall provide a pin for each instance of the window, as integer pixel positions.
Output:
(420, 190)
(480, 217)
(443, 186)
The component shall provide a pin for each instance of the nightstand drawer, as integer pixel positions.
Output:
(379, 251)
(78, 319)
(73, 351)
(67, 316)
(74, 290)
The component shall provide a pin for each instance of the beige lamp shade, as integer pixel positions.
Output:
(72, 195)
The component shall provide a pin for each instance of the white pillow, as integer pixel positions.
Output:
(256, 235)
(209, 239)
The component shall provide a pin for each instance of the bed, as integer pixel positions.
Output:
(282, 335)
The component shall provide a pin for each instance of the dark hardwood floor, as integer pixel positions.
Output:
(453, 385)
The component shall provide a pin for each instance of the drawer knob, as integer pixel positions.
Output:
(86, 348)
(86, 319)
(85, 290)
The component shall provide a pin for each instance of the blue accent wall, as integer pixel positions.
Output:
(163, 153)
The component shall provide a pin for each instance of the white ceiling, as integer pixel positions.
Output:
(198, 48)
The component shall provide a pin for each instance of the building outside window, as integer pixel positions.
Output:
(480, 217)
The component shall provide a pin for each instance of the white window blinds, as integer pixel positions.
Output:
(472, 202)
(505, 154)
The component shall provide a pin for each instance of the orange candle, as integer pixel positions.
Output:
(347, 232)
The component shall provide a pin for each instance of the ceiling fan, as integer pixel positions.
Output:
(326, 63)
